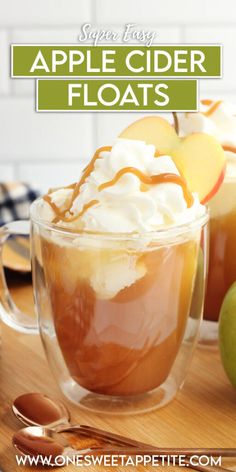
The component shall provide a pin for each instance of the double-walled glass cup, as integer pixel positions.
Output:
(118, 314)
(222, 253)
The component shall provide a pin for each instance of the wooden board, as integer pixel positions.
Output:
(202, 415)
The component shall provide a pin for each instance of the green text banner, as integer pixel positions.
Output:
(116, 61)
(116, 95)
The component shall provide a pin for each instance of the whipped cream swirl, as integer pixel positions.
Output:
(125, 206)
(215, 118)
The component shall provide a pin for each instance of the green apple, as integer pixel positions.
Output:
(227, 334)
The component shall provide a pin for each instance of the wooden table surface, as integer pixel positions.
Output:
(202, 415)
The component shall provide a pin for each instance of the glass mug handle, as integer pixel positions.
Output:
(9, 312)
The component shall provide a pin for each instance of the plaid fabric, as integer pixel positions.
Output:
(15, 200)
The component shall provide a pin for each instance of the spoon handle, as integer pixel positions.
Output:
(150, 452)
(125, 441)
(134, 451)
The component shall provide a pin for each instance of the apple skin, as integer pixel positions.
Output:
(198, 157)
(216, 187)
(227, 334)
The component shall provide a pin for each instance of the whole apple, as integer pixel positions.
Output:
(227, 334)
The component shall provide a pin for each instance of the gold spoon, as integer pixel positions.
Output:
(49, 447)
(46, 444)
(36, 409)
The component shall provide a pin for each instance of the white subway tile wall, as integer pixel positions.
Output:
(49, 175)
(46, 12)
(30, 136)
(110, 125)
(50, 149)
(166, 11)
(7, 172)
(5, 85)
(221, 35)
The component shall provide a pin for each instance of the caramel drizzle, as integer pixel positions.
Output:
(159, 154)
(75, 217)
(54, 189)
(207, 101)
(87, 171)
(61, 216)
(229, 148)
(213, 106)
(81, 213)
(151, 180)
(145, 181)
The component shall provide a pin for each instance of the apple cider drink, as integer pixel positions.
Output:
(218, 119)
(122, 269)
(120, 313)
(222, 260)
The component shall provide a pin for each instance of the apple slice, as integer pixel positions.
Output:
(153, 130)
(199, 157)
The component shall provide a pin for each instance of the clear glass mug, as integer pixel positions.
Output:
(118, 314)
(222, 252)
